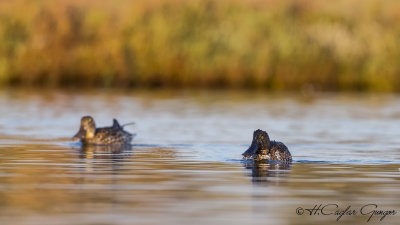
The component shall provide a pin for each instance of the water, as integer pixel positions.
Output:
(185, 164)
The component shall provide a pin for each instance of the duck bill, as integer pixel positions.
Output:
(251, 150)
(80, 135)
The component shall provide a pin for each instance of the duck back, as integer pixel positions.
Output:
(279, 151)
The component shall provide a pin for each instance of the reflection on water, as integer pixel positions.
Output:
(91, 154)
(262, 170)
(185, 165)
(91, 151)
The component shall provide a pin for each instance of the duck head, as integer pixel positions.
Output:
(87, 129)
(259, 145)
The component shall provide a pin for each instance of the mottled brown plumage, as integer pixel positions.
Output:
(262, 148)
(114, 135)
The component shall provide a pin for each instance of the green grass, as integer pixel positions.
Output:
(344, 45)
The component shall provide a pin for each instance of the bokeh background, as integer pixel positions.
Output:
(198, 77)
(343, 45)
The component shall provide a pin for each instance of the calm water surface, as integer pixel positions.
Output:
(185, 166)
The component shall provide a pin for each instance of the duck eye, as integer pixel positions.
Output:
(262, 137)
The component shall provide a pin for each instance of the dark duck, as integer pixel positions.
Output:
(114, 135)
(262, 148)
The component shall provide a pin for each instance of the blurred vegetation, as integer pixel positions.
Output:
(270, 44)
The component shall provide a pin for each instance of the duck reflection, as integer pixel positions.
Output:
(263, 171)
(105, 151)
(104, 157)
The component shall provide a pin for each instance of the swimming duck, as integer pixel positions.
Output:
(115, 135)
(262, 148)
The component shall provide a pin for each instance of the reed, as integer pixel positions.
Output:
(273, 44)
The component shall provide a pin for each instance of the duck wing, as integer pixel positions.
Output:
(116, 124)
(110, 135)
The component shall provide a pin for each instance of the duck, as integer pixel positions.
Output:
(114, 135)
(262, 148)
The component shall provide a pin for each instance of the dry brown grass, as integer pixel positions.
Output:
(273, 45)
